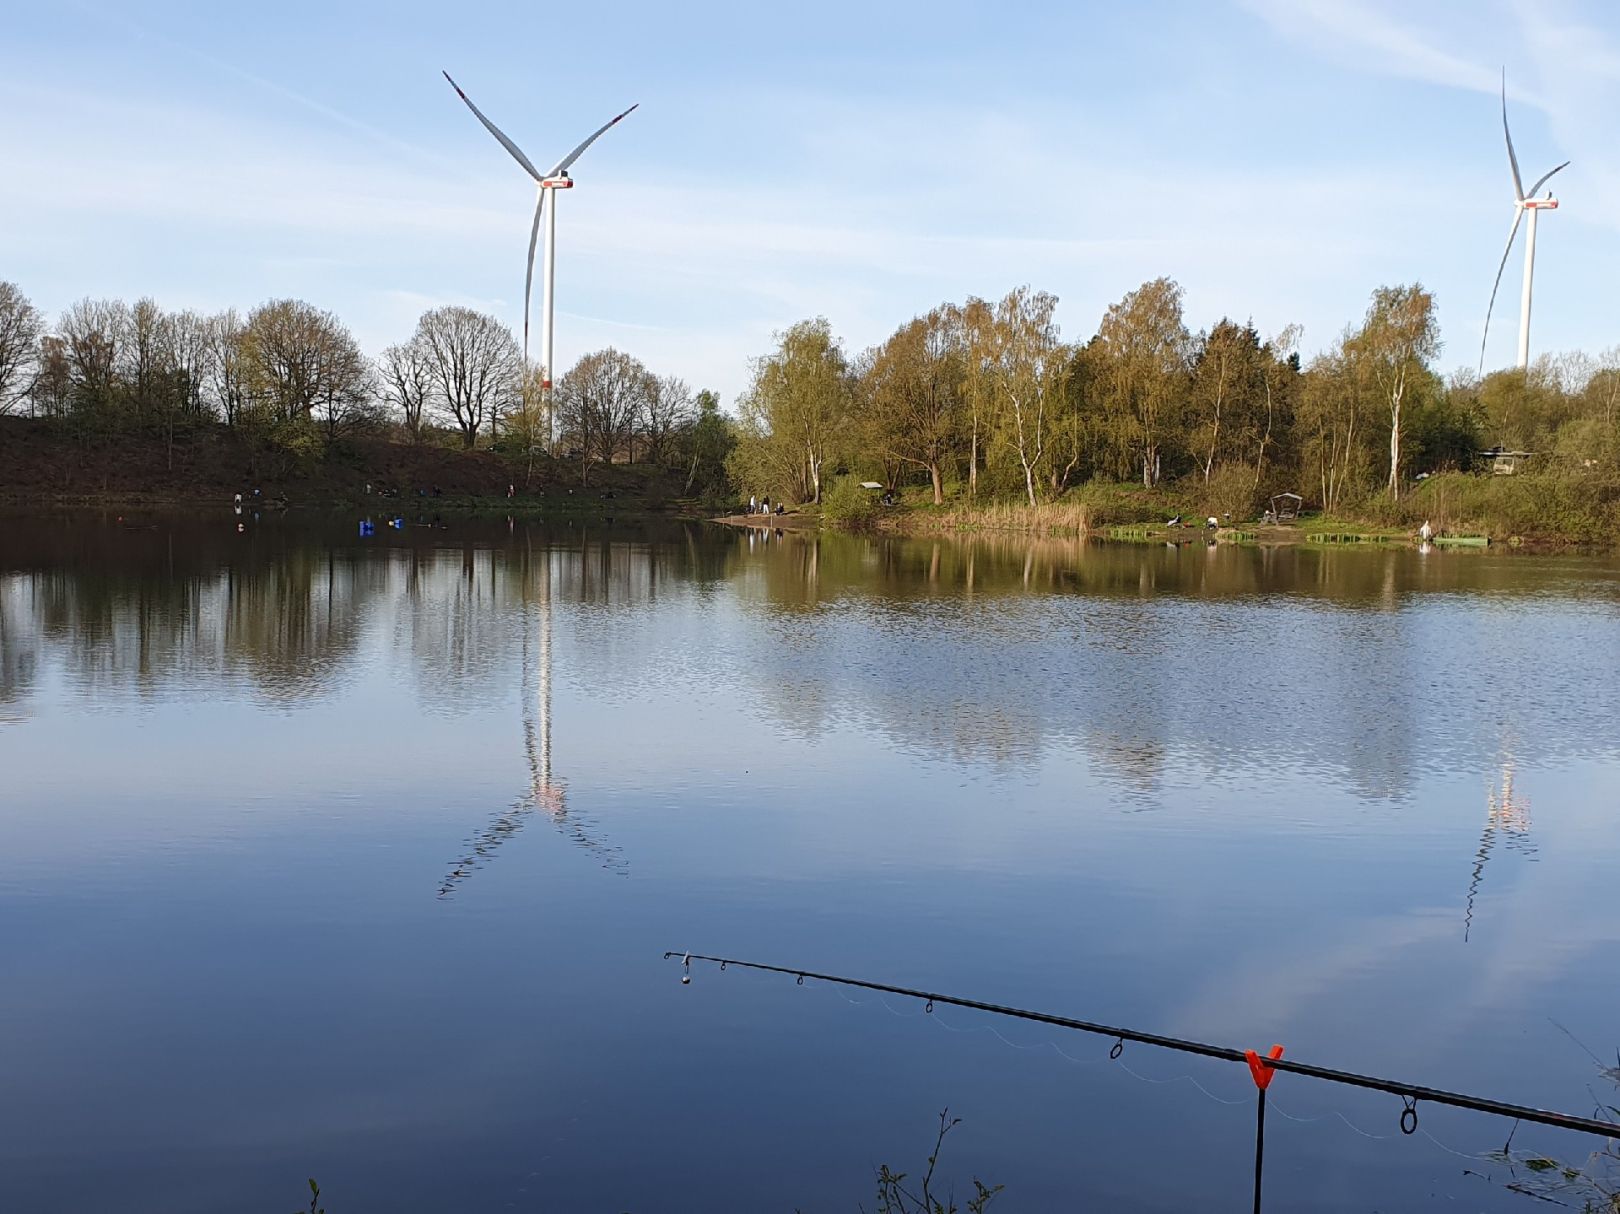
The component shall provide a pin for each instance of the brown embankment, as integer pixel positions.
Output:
(45, 463)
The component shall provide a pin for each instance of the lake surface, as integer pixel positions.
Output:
(356, 858)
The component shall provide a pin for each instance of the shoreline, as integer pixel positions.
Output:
(1335, 533)
(518, 507)
(792, 521)
(901, 524)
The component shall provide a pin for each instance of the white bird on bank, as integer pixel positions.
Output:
(1425, 532)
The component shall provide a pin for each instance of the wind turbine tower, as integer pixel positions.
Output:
(556, 179)
(1523, 203)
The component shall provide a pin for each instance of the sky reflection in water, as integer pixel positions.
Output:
(356, 858)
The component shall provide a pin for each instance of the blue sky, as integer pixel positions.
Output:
(1279, 158)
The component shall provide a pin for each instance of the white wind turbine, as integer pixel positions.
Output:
(1522, 202)
(556, 179)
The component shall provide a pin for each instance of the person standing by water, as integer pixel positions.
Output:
(752, 503)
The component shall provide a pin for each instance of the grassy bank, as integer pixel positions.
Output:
(1083, 510)
(1526, 509)
(1538, 509)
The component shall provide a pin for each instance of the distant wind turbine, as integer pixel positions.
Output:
(556, 179)
(1522, 201)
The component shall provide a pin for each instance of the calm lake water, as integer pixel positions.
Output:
(356, 858)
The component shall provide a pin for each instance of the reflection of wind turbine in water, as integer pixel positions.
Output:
(1508, 814)
(545, 792)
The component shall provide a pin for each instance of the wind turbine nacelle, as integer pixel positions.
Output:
(1548, 203)
(561, 182)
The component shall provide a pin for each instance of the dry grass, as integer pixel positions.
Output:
(1049, 518)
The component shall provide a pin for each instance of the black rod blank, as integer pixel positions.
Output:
(1410, 1091)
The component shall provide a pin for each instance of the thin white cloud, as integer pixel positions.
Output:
(1368, 35)
(752, 253)
(1559, 59)
(867, 215)
(145, 31)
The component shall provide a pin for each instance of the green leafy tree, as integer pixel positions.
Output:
(706, 446)
(1335, 418)
(911, 391)
(1080, 440)
(1443, 431)
(795, 410)
(1280, 385)
(1397, 340)
(1227, 391)
(979, 397)
(1143, 356)
(1027, 367)
(527, 420)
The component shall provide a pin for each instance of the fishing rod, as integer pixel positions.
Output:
(1260, 1066)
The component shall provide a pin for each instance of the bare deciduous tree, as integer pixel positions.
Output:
(227, 365)
(666, 408)
(597, 403)
(142, 361)
(1602, 388)
(20, 329)
(300, 359)
(92, 333)
(407, 383)
(190, 356)
(51, 394)
(475, 365)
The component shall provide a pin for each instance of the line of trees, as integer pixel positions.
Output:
(286, 369)
(982, 400)
(292, 375)
(985, 400)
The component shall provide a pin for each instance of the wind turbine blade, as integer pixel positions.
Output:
(1518, 214)
(517, 152)
(528, 276)
(569, 159)
(1543, 179)
(1518, 184)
